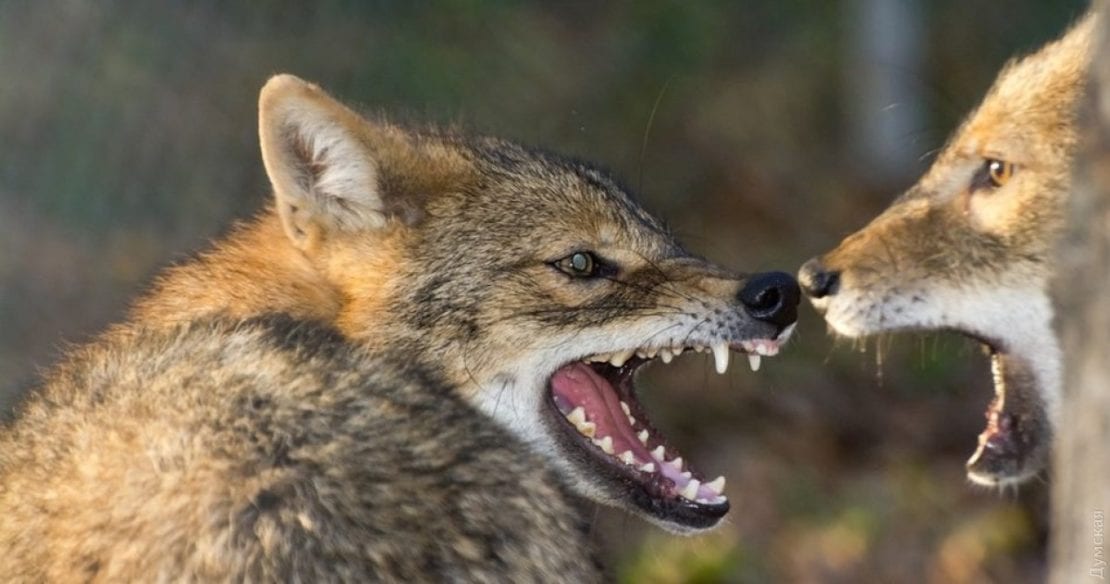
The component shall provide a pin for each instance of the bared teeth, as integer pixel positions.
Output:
(628, 413)
(619, 359)
(753, 348)
(577, 416)
(720, 357)
(690, 491)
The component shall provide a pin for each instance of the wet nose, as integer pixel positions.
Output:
(772, 297)
(817, 281)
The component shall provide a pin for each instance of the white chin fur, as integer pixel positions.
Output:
(1019, 318)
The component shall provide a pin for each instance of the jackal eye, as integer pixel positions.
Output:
(993, 174)
(580, 264)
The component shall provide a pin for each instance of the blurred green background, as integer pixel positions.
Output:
(764, 131)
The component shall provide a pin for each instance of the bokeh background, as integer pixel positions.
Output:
(764, 131)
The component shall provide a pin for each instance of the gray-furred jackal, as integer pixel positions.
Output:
(531, 289)
(970, 248)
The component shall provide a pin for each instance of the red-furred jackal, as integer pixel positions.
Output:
(970, 248)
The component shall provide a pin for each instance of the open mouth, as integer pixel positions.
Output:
(595, 399)
(1013, 446)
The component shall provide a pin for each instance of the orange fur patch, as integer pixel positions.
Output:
(365, 268)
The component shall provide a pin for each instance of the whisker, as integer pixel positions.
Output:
(647, 131)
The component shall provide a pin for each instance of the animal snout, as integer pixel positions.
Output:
(817, 280)
(772, 297)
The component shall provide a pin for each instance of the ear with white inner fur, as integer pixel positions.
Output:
(324, 175)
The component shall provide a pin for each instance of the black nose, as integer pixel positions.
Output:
(772, 297)
(817, 281)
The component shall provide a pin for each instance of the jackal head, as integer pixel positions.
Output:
(534, 284)
(969, 248)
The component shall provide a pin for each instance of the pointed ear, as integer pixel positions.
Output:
(316, 153)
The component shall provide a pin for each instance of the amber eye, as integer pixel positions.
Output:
(580, 264)
(998, 172)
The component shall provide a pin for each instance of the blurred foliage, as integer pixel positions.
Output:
(129, 140)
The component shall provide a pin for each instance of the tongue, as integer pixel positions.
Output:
(577, 385)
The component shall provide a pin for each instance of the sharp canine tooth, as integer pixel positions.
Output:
(643, 436)
(649, 467)
(577, 416)
(717, 485)
(677, 463)
(720, 356)
(631, 421)
(666, 355)
(627, 458)
(658, 453)
(690, 491)
(624, 407)
(619, 359)
(754, 361)
(606, 444)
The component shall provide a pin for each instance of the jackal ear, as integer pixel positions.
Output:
(317, 156)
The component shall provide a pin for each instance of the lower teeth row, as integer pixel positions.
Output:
(577, 417)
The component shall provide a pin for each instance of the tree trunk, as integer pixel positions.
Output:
(1081, 482)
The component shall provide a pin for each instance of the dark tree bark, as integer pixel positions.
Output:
(1081, 482)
